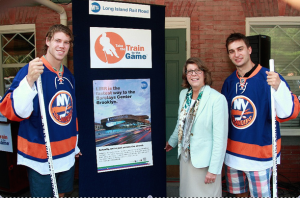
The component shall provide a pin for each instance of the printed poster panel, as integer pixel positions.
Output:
(2, 118)
(122, 124)
(5, 138)
(120, 48)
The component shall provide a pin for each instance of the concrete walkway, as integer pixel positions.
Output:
(172, 191)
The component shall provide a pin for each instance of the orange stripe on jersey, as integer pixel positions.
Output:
(76, 124)
(63, 146)
(255, 71)
(252, 74)
(252, 150)
(39, 150)
(295, 112)
(33, 149)
(6, 108)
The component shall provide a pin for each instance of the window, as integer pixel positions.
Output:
(285, 50)
(17, 49)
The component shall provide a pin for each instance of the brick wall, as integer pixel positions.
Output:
(211, 22)
(289, 169)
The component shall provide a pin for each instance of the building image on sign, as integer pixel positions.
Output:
(123, 129)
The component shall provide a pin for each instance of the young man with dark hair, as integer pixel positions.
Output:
(20, 103)
(248, 159)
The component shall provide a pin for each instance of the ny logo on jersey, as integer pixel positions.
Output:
(243, 112)
(241, 86)
(61, 108)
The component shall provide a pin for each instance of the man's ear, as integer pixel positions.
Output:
(250, 50)
(47, 41)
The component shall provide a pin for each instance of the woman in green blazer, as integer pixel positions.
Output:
(201, 133)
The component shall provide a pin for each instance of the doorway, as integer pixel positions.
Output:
(175, 57)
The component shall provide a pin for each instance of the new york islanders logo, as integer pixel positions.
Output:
(61, 108)
(243, 112)
(110, 47)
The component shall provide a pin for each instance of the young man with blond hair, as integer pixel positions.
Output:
(20, 103)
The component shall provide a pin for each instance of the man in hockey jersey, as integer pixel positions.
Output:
(20, 103)
(248, 159)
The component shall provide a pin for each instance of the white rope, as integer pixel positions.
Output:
(274, 135)
(46, 136)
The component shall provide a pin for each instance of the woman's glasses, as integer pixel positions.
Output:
(190, 72)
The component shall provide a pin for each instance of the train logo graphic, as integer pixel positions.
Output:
(110, 47)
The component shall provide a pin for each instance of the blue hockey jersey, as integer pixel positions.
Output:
(60, 106)
(249, 146)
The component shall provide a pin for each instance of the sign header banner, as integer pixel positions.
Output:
(119, 9)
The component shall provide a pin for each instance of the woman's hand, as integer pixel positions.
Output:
(210, 178)
(78, 154)
(168, 147)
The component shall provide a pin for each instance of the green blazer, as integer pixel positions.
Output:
(210, 131)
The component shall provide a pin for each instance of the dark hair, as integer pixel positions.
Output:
(58, 28)
(201, 65)
(236, 37)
